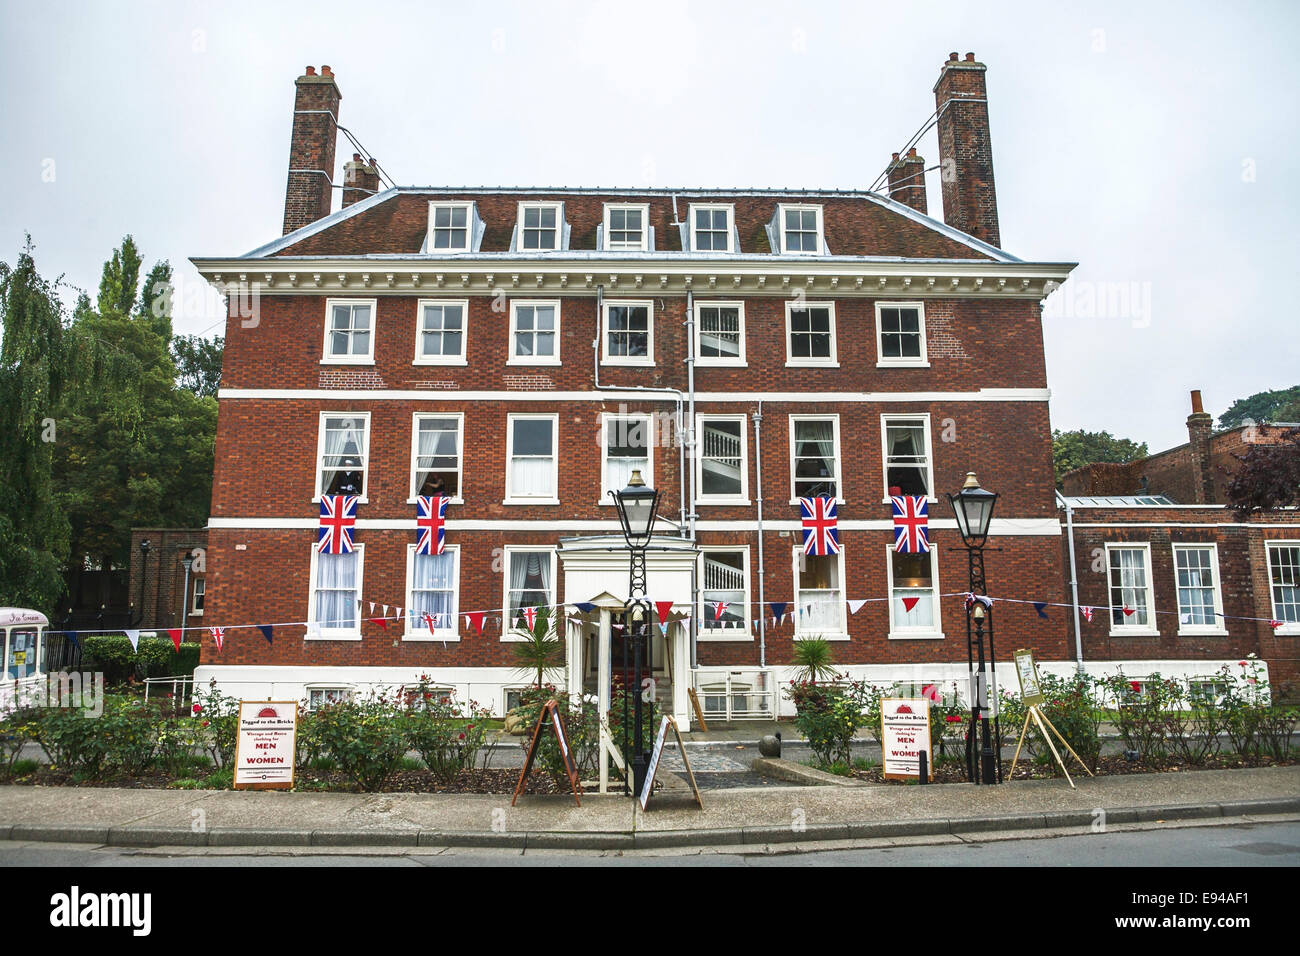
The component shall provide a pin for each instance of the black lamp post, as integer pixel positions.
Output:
(973, 508)
(637, 505)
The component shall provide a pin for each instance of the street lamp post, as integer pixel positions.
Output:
(637, 505)
(973, 508)
(188, 561)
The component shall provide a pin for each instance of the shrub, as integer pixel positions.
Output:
(814, 660)
(129, 730)
(18, 728)
(1141, 709)
(446, 734)
(828, 715)
(1071, 705)
(581, 730)
(111, 654)
(215, 722)
(73, 741)
(366, 735)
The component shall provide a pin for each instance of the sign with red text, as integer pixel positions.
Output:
(266, 744)
(905, 735)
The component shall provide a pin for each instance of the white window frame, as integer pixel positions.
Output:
(513, 499)
(347, 692)
(459, 498)
(726, 635)
(421, 633)
(642, 246)
(517, 359)
(365, 452)
(881, 361)
(434, 205)
(743, 497)
(559, 226)
(839, 469)
(899, 631)
(781, 210)
(509, 631)
(461, 359)
(1289, 628)
(729, 209)
(799, 633)
(369, 358)
(605, 357)
(791, 361)
(648, 474)
(334, 633)
(195, 610)
(885, 419)
(1150, 628)
(702, 361)
(1218, 628)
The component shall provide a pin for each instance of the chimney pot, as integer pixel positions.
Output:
(895, 156)
(1197, 407)
(970, 58)
(311, 71)
(911, 153)
(952, 57)
(326, 71)
(356, 157)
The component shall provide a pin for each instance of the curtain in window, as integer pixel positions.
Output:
(432, 587)
(1128, 586)
(531, 477)
(907, 458)
(530, 580)
(814, 458)
(336, 590)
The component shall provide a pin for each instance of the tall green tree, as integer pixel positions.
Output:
(156, 299)
(1074, 449)
(35, 352)
(120, 279)
(198, 363)
(1279, 405)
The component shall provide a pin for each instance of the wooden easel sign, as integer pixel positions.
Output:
(550, 709)
(266, 744)
(905, 735)
(654, 762)
(1031, 692)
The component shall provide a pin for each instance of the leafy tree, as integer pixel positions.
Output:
(198, 363)
(1281, 404)
(1269, 477)
(156, 299)
(34, 360)
(1074, 449)
(121, 276)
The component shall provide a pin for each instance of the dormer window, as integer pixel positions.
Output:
(453, 227)
(711, 228)
(627, 227)
(540, 226)
(800, 229)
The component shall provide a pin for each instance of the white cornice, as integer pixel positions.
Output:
(641, 274)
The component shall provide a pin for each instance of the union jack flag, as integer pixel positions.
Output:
(431, 513)
(432, 621)
(218, 636)
(338, 516)
(530, 616)
(719, 609)
(821, 533)
(911, 524)
(1087, 613)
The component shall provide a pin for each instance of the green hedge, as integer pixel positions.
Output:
(156, 657)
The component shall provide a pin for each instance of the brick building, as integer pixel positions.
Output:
(1155, 535)
(160, 590)
(524, 350)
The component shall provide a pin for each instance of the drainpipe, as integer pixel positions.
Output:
(690, 472)
(1074, 579)
(758, 470)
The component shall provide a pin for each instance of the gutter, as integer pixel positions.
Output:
(1074, 578)
(758, 489)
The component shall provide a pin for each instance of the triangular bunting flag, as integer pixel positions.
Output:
(909, 603)
(778, 610)
(134, 638)
(1128, 611)
(1087, 613)
(218, 636)
(475, 620)
(530, 616)
(372, 607)
(663, 609)
(1041, 608)
(397, 613)
(1185, 618)
(663, 626)
(266, 631)
(856, 606)
(175, 634)
(378, 620)
(1275, 624)
(586, 607)
(386, 611)
(313, 631)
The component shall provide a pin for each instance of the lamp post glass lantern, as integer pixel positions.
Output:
(637, 505)
(973, 509)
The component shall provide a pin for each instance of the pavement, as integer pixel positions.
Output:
(749, 817)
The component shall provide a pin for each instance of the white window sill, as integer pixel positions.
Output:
(450, 637)
(1288, 630)
(1134, 632)
(196, 613)
(726, 635)
(450, 501)
(360, 500)
(902, 365)
(544, 363)
(728, 502)
(452, 360)
(516, 636)
(334, 636)
(720, 363)
(630, 363)
(791, 364)
(916, 635)
(359, 360)
(801, 252)
(531, 501)
(1190, 631)
(824, 635)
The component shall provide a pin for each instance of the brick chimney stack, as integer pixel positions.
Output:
(360, 179)
(1198, 433)
(311, 149)
(970, 202)
(907, 181)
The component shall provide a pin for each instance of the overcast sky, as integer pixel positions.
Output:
(1155, 144)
